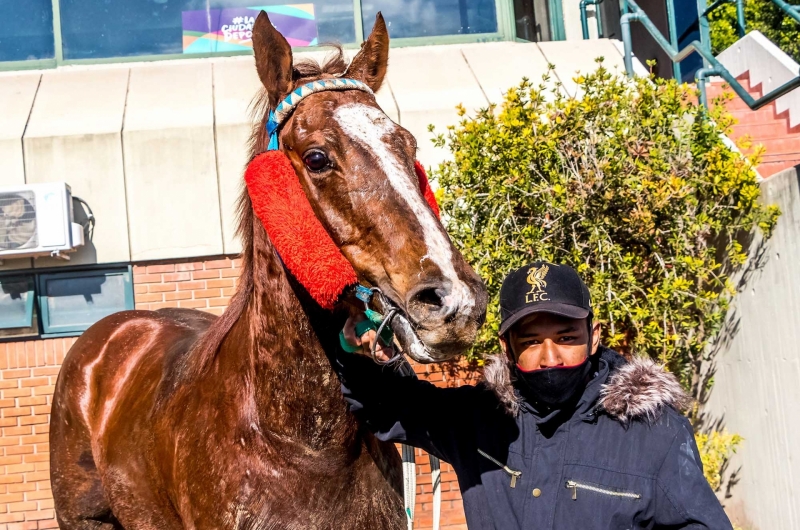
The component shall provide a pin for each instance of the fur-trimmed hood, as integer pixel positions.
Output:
(638, 389)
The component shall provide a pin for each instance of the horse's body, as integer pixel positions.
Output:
(177, 419)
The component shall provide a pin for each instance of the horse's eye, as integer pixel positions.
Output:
(316, 161)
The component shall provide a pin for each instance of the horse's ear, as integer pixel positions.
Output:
(273, 59)
(369, 64)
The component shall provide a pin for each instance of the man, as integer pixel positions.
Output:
(562, 434)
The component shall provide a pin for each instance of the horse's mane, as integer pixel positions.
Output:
(205, 350)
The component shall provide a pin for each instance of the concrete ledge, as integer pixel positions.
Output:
(16, 100)
(170, 162)
(75, 135)
(427, 84)
(499, 66)
(235, 85)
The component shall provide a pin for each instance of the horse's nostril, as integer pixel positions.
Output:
(430, 297)
(427, 302)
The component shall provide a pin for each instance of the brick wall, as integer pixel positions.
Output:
(28, 371)
(765, 127)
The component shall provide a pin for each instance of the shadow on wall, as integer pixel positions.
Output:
(748, 377)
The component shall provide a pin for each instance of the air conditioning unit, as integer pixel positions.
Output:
(36, 220)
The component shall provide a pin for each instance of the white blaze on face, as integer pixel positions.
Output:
(369, 126)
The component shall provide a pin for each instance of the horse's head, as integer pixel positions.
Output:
(356, 167)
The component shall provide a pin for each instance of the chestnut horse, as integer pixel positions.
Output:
(177, 419)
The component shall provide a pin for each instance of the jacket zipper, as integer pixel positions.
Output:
(575, 486)
(513, 474)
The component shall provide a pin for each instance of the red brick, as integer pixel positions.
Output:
(212, 284)
(180, 267)
(49, 370)
(231, 273)
(17, 431)
(193, 304)
(8, 384)
(179, 295)
(44, 525)
(20, 468)
(12, 497)
(146, 278)
(11, 479)
(205, 275)
(14, 448)
(26, 486)
(35, 381)
(139, 289)
(178, 277)
(161, 287)
(22, 506)
(190, 286)
(32, 401)
(214, 310)
(207, 293)
(162, 305)
(16, 374)
(219, 264)
(44, 390)
(36, 439)
(219, 302)
(12, 517)
(39, 475)
(8, 422)
(39, 515)
(149, 297)
(16, 392)
(31, 459)
(9, 460)
(158, 269)
(33, 420)
(6, 403)
(18, 411)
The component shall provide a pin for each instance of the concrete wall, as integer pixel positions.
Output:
(158, 149)
(757, 383)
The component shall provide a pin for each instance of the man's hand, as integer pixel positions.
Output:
(382, 352)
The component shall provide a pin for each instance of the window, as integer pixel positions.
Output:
(427, 18)
(16, 306)
(72, 301)
(58, 302)
(532, 20)
(92, 29)
(26, 30)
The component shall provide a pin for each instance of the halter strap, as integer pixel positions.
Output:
(287, 106)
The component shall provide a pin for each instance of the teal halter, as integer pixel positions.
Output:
(285, 108)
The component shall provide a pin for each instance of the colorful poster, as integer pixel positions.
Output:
(228, 30)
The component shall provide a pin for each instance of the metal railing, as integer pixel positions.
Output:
(712, 67)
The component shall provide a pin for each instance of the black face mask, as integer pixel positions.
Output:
(554, 386)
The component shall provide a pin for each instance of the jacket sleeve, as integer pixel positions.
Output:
(398, 407)
(684, 498)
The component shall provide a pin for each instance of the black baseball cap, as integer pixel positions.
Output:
(542, 287)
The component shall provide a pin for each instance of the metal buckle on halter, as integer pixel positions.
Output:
(385, 308)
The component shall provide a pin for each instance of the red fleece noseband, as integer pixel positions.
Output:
(303, 244)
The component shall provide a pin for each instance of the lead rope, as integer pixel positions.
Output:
(410, 487)
(409, 462)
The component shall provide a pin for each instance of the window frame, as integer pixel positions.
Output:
(506, 31)
(29, 302)
(48, 330)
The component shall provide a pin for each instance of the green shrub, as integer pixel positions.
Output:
(761, 15)
(629, 185)
(715, 451)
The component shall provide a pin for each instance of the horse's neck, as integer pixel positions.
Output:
(292, 388)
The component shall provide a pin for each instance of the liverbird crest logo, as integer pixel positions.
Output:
(536, 278)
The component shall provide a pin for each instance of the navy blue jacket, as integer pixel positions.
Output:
(620, 459)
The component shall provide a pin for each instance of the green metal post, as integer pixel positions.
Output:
(59, 46)
(740, 23)
(358, 18)
(705, 32)
(673, 37)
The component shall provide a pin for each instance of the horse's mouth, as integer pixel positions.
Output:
(407, 334)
